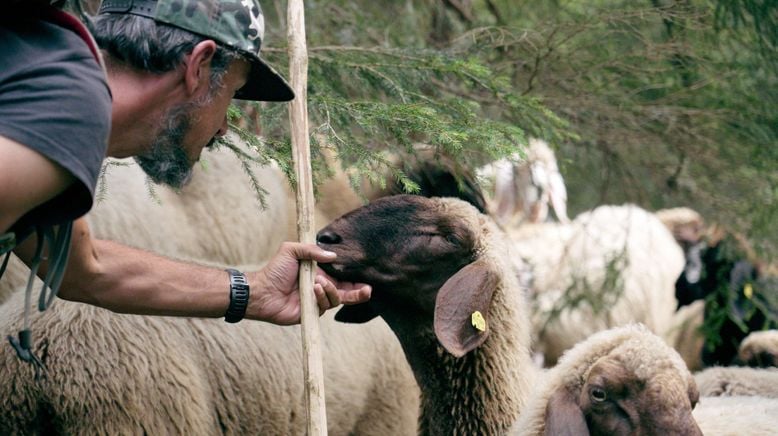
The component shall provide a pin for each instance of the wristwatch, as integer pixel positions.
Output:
(239, 296)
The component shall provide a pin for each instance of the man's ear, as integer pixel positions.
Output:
(468, 291)
(197, 75)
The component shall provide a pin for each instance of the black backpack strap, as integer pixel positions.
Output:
(58, 242)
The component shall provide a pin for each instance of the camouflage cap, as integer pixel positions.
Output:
(237, 24)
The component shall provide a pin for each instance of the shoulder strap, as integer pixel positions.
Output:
(7, 243)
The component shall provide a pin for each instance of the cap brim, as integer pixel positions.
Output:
(264, 84)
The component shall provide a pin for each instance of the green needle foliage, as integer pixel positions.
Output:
(661, 103)
(371, 99)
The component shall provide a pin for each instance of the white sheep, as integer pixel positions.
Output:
(737, 416)
(523, 188)
(611, 266)
(685, 335)
(443, 280)
(721, 381)
(216, 216)
(760, 348)
(121, 374)
(129, 374)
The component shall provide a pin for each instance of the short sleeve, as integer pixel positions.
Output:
(54, 98)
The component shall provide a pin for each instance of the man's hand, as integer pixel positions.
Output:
(275, 295)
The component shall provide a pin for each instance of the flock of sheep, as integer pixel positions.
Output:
(416, 358)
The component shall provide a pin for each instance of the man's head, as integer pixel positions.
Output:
(211, 48)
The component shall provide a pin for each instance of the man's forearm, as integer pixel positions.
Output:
(129, 280)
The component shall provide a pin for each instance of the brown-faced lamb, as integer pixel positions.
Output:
(443, 280)
(625, 380)
(122, 374)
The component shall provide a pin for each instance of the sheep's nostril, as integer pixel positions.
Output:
(328, 237)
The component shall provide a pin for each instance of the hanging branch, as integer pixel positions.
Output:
(298, 118)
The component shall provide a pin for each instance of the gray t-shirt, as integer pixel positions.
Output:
(54, 98)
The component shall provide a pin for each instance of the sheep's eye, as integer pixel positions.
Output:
(598, 395)
(452, 239)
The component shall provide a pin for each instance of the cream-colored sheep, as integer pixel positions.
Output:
(443, 281)
(685, 335)
(728, 381)
(216, 216)
(524, 188)
(737, 416)
(611, 266)
(760, 349)
(123, 374)
(686, 225)
(129, 374)
(625, 380)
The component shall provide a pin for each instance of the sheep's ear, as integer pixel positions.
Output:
(356, 313)
(564, 416)
(466, 292)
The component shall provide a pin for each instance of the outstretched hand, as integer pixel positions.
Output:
(275, 295)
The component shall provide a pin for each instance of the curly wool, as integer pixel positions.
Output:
(626, 239)
(737, 416)
(638, 349)
(133, 374)
(483, 391)
(736, 381)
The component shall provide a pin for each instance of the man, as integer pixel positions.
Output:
(173, 67)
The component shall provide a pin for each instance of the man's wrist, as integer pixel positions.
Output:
(239, 296)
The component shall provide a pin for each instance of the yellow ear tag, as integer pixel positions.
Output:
(478, 321)
(748, 291)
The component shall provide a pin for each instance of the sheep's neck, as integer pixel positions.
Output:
(480, 393)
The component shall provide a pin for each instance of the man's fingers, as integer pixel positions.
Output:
(309, 252)
(356, 296)
(331, 291)
(321, 298)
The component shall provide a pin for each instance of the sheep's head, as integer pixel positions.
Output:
(640, 387)
(421, 256)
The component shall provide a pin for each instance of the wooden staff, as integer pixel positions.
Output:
(298, 117)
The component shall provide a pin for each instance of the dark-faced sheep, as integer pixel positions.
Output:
(443, 280)
(740, 290)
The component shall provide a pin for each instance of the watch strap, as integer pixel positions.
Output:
(239, 296)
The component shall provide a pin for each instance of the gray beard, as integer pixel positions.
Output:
(167, 162)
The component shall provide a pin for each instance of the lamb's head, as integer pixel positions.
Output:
(422, 256)
(633, 385)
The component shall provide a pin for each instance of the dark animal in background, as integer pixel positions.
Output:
(740, 295)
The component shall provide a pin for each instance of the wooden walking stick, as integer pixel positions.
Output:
(298, 117)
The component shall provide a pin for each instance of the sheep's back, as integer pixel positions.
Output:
(627, 260)
(217, 216)
(122, 374)
(737, 416)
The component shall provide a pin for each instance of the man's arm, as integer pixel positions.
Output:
(128, 280)
(27, 179)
